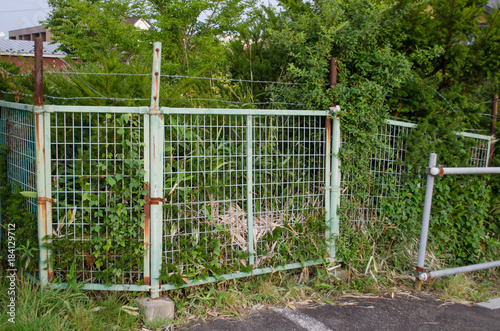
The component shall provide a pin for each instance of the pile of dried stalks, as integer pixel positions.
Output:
(235, 220)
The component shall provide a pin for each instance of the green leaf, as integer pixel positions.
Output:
(28, 194)
(111, 181)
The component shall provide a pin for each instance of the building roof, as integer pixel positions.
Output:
(29, 29)
(132, 20)
(138, 22)
(492, 5)
(27, 48)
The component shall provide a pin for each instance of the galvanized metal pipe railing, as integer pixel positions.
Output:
(432, 172)
(435, 171)
(424, 232)
(427, 275)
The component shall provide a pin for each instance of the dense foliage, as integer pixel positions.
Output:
(432, 62)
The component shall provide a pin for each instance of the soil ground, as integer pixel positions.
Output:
(389, 312)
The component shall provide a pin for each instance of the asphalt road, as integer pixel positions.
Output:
(392, 312)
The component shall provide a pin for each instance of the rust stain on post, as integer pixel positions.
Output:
(157, 91)
(51, 274)
(37, 135)
(147, 220)
(418, 282)
(328, 134)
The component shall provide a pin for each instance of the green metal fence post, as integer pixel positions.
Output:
(147, 207)
(251, 256)
(156, 151)
(48, 187)
(43, 271)
(328, 188)
(334, 192)
(43, 183)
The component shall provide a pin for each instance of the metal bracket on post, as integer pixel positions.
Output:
(156, 151)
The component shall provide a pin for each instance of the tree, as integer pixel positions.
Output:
(87, 27)
(188, 29)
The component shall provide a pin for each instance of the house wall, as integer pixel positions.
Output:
(31, 33)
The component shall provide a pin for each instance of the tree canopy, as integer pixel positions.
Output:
(410, 59)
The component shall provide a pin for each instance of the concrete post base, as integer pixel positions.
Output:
(156, 310)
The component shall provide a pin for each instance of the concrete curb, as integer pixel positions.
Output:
(490, 304)
(161, 309)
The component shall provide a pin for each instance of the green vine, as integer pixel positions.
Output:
(112, 247)
(14, 209)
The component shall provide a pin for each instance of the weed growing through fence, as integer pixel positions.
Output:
(462, 232)
(71, 309)
(14, 209)
(101, 234)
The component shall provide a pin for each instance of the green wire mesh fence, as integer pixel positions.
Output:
(97, 183)
(388, 169)
(238, 190)
(17, 136)
(151, 199)
(243, 190)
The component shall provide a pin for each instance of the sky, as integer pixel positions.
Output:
(21, 14)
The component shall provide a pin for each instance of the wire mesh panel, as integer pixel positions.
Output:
(387, 170)
(205, 196)
(288, 190)
(17, 137)
(98, 187)
(238, 190)
(479, 151)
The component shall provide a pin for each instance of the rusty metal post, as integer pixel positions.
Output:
(333, 175)
(156, 169)
(333, 72)
(38, 72)
(44, 202)
(493, 128)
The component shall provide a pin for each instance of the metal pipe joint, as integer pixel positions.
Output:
(423, 276)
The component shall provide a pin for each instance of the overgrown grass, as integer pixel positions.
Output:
(380, 256)
(40, 308)
(69, 309)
